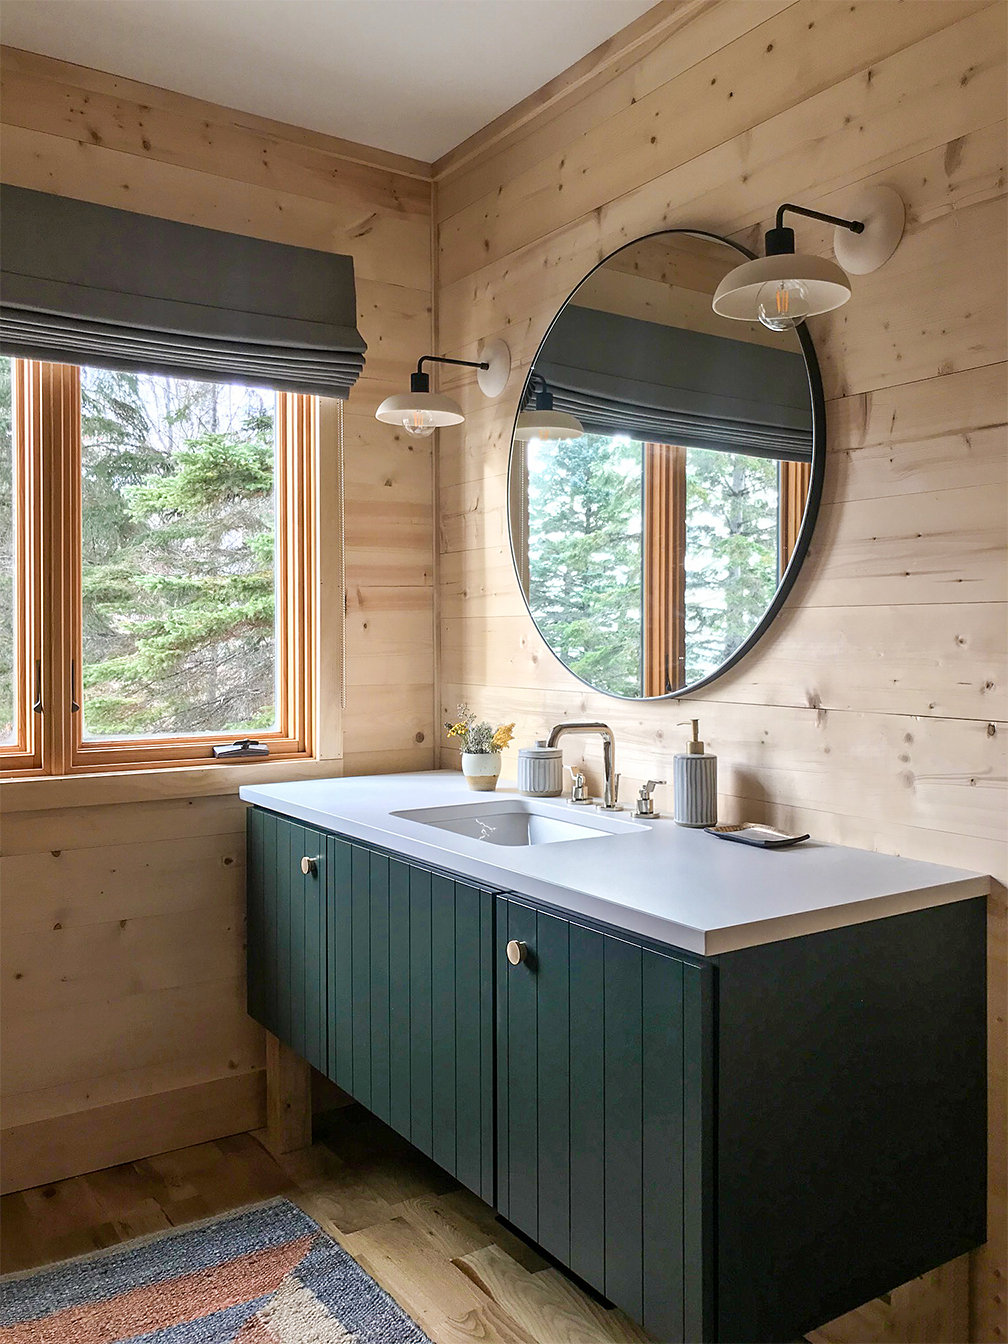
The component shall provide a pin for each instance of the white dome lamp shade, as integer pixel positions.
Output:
(420, 411)
(544, 422)
(784, 287)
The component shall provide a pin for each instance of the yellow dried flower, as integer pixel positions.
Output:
(502, 737)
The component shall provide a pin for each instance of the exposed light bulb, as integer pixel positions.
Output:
(418, 424)
(782, 304)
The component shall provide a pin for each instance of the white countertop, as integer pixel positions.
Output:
(664, 881)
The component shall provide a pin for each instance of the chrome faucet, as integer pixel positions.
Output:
(610, 788)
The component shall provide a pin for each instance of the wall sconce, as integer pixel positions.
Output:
(420, 411)
(544, 422)
(784, 287)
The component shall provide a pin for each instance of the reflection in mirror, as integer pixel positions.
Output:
(650, 548)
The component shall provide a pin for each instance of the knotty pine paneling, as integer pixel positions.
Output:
(875, 712)
(123, 925)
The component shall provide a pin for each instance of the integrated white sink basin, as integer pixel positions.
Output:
(520, 821)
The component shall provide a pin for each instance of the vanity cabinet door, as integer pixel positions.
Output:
(411, 1004)
(286, 938)
(604, 1060)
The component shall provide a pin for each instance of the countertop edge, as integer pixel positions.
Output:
(760, 932)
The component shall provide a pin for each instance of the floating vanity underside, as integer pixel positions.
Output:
(731, 1146)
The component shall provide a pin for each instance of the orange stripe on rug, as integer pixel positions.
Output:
(167, 1302)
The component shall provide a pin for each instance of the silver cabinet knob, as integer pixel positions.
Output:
(516, 952)
(309, 866)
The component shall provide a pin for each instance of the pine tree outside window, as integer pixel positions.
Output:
(157, 565)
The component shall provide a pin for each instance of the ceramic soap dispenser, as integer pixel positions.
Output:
(694, 781)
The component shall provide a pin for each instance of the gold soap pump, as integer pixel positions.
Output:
(694, 781)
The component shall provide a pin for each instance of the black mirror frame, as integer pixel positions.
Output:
(812, 501)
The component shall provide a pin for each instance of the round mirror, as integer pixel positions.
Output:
(665, 471)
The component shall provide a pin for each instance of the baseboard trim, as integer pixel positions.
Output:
(126, 1131)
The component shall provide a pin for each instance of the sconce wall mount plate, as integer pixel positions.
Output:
(883, 214)
(496, 355)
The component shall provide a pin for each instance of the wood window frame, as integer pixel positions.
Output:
(47, 428)
(794, 485)
(664, 568)
(25, 752)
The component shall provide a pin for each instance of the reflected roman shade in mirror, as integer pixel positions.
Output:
(90, 284)
(662, 384)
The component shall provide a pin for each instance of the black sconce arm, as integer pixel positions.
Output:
(780, 240)
(420, 381)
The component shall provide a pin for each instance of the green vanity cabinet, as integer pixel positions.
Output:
(410, 1004)
(286, 937)
(604, 1112)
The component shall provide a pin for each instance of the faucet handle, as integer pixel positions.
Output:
(645, 803)
(579, 789)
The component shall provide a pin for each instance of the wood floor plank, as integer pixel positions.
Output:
(450, 1233)
(440, 1297)
(546, 1304)
(465, 1204)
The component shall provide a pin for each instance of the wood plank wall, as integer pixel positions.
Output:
(124, 1027)
(874, 712)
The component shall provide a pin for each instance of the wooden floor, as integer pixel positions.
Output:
(431, 1244)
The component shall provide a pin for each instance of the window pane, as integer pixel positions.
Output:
(585, 555)
(731, 553)
(8, 576)
(178, 575)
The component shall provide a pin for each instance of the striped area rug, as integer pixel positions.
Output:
(264, 1275)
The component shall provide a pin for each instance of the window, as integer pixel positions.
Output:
(177, 568)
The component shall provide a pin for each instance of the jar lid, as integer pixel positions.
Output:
(542, 751)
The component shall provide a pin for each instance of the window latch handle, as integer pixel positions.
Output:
(74, 706)
(37, 706)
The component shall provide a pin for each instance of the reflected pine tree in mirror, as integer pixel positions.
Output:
(655, 548)
(585, 555)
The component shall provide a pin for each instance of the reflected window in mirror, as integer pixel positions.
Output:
(648, 564)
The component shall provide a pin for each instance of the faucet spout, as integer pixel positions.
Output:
(610, 788)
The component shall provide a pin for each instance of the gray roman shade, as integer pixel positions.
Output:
(89, 284)
(622, 375)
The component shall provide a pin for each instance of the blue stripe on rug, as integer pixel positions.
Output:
(123, 1268)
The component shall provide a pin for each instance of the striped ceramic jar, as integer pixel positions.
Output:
(540, 771)
(694, 778)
